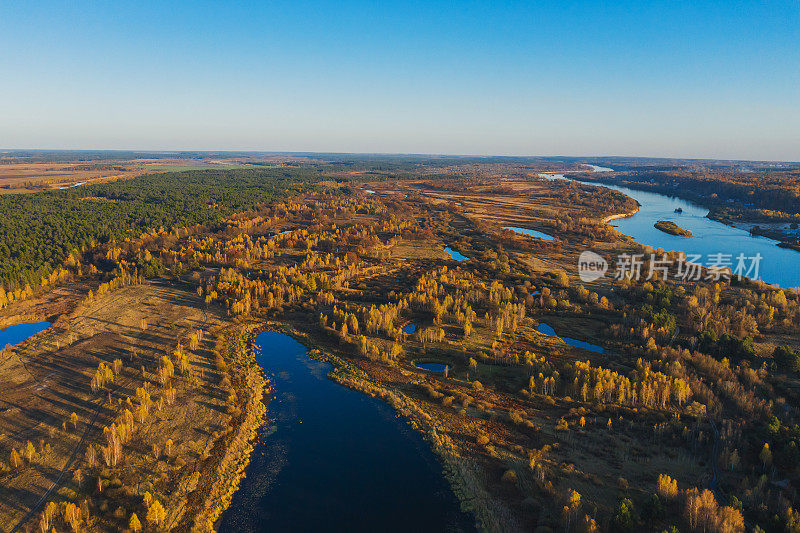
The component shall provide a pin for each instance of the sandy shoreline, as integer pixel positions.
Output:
(609, 218)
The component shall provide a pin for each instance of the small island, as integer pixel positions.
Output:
(672, 228)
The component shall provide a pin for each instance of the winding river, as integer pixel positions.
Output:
(779, 266)
(335, 459)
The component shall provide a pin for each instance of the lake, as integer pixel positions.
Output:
(336, 459)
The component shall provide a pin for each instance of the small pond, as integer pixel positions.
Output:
(530, 233)
(16, 334)
(550, 332)
(73, 185)
(431, 367)
(409, 328)
(453, 254)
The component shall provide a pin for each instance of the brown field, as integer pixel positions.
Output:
(18, 178)
(45, 380)
(32, 177)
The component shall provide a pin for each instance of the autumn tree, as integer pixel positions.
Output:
(667, 487)
(156, 513)
(135, 525)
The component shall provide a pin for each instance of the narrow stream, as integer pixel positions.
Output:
(545, 329)
(336, 459)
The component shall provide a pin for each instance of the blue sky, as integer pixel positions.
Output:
(655, 78)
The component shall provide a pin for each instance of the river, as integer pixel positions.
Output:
(335, 459)
(779, 266)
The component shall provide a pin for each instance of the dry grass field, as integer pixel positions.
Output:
(26, 177)
(32, 177)
(46, 380)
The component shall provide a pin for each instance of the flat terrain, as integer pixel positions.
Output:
(31, 177)
(27, 174)
(46, 380)
(695, 381)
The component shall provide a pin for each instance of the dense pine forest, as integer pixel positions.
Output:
(39, 231)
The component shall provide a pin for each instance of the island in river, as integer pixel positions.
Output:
(763, 198)
(667, 226)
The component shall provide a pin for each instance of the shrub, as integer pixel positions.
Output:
(624, 516)
(509, 476)
(786, 359)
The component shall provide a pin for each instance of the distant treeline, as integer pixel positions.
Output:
(39, 231)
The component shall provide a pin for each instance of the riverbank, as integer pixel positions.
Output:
(220, 475)
(186, 450)
(609, 218)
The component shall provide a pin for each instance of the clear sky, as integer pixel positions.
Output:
(692, 78)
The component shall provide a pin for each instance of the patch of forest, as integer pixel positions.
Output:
(39, 231)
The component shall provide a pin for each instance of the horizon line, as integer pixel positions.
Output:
(397, 154)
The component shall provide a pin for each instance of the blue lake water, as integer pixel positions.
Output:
(15, 334)
(550, 332)
(336, 459)
(530, 232)
(779, 266)
(431, 367)
(455, 255)
(409, 328)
